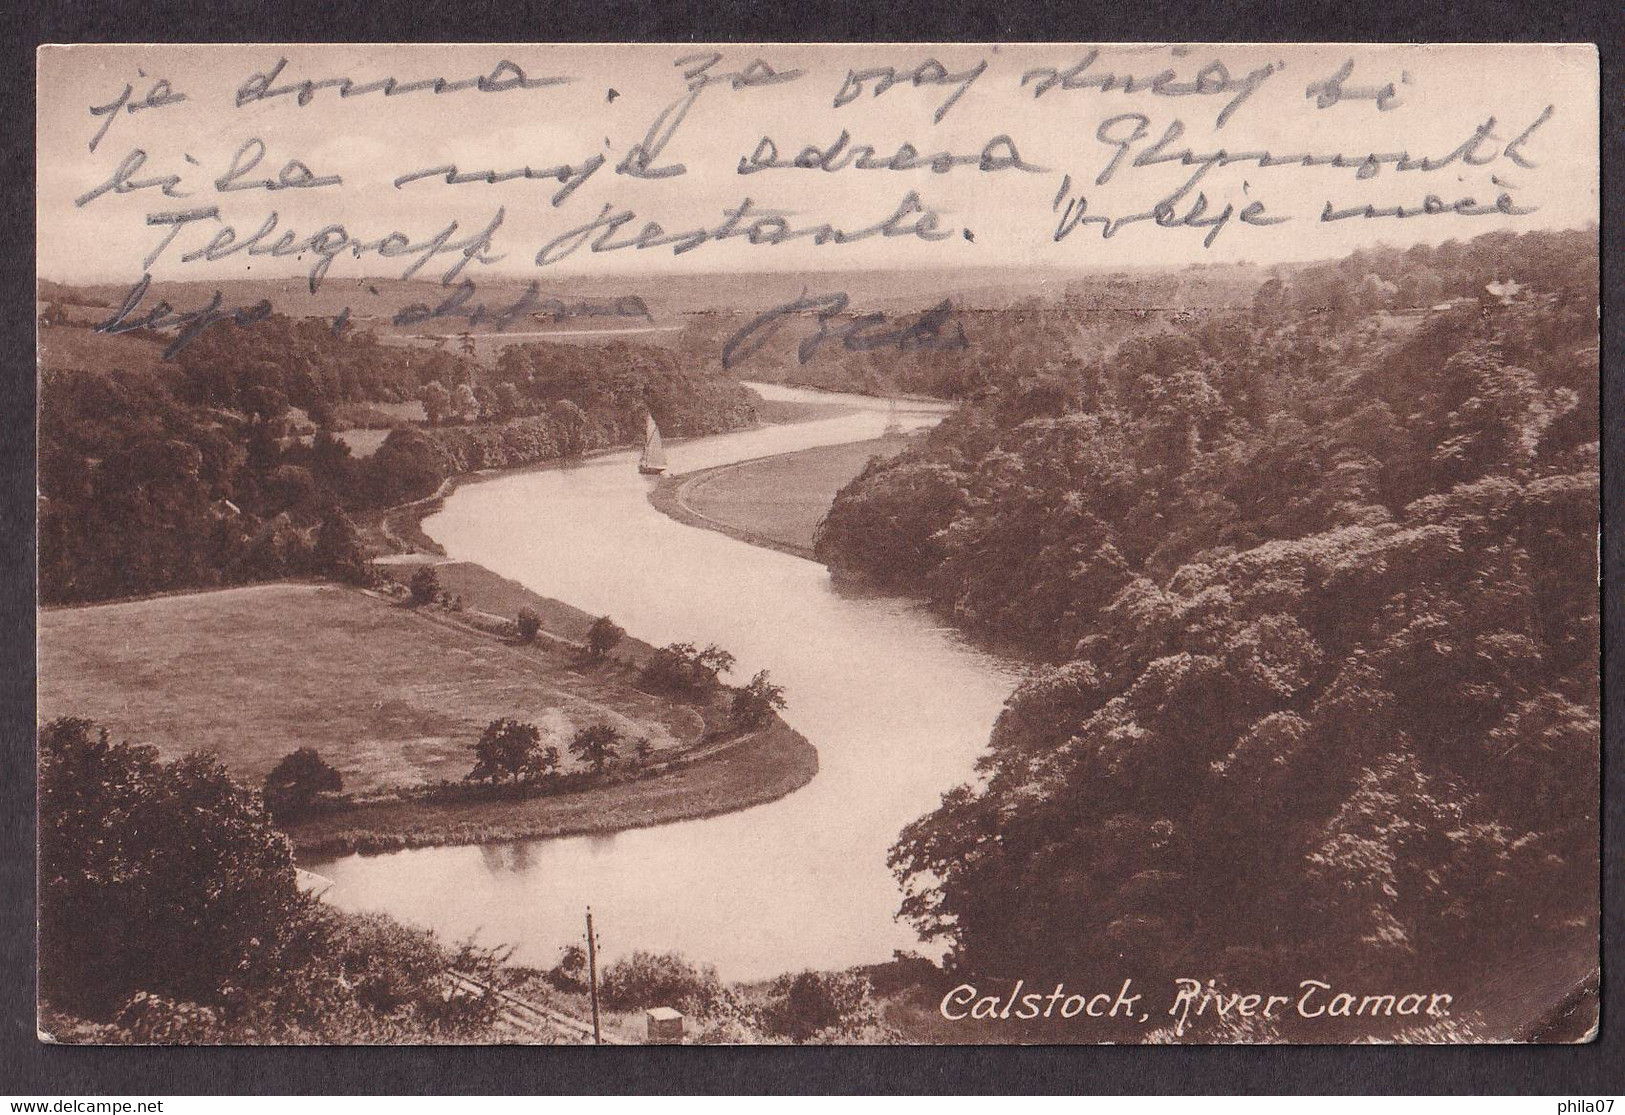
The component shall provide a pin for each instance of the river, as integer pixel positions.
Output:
(898, 705)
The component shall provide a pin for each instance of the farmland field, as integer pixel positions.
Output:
(388, 695)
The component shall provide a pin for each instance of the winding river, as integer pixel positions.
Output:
(896, 703)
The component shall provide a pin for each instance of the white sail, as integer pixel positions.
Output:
(654, 453)
(894, 425)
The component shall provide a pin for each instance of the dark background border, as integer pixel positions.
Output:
(28, 1066)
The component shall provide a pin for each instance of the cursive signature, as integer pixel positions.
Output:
(529, 304)
(863, 333)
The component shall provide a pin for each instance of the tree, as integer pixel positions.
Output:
(603, 636)
(169, 911)
(464, 403)
(436, 401)
(684, 668)
(507, 749)
(528, 623)
(1297, 555)
(338, 551)
(425, 585)
(490, 405)
(330, 460)
(541, 762)
(510, 399)
(322, 414)
(812, 1004)
(294, 784)
(160, 877)
(570, 973)
(595, 744)
(571, 421)
(410, 464)
(712, 663)
(266, 404)
(644, 750)
(754, 703)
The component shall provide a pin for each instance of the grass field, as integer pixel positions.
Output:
(777, 501)
(362, 442)
(64, 348)
(480, 588)
(388, 695)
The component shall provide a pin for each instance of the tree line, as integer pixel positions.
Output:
(197, 474)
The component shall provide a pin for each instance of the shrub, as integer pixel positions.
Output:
(595, 744)
(425, 585)
(823, 1005)
(756, 701)
(155, 1020)
(647, 979)
(338, 552)
(603, 636)
(296, 783)
(570, 973)
(528, 623)
(683, 668)
(375, 980)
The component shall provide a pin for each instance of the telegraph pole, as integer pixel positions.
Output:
(592, 978)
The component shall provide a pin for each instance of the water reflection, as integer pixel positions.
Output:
(498, 858)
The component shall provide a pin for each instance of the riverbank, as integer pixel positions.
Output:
(774, 502)
(760, 767)
(394, 697)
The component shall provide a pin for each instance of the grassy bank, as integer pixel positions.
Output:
(757, 768)
(775, 502)
(394, 697)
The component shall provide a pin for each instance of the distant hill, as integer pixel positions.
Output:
(375, 301)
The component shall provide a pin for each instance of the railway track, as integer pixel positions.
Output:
(530, 1020)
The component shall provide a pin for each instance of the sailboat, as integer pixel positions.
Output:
(653, 461)
(894, 425)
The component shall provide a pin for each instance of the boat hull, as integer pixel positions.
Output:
(652, 470)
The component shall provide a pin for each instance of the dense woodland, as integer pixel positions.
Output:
(1317, 587)
(170, 913)
(202, 470)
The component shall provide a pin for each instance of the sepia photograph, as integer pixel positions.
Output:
(841, 544)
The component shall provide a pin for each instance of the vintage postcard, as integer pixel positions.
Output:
(1050, 543)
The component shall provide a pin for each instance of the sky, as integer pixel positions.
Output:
(613, 94)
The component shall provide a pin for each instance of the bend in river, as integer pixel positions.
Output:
(896, 703)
